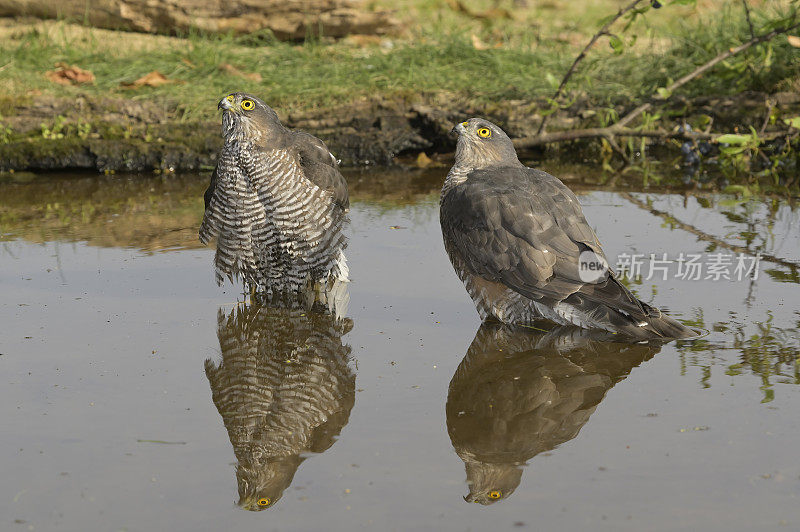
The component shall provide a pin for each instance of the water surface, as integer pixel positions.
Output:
(137, 395)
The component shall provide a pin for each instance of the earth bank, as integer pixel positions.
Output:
(113, 134)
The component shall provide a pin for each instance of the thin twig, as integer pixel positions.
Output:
(749, 20)
(702, 69)
(770, 104)
(602, 31)
(614, 131)
(620, 129)
(613, 143)
(707, 237)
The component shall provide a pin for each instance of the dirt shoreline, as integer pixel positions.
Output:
(120, 135)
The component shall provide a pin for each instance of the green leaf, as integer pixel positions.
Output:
(632, 15)
(683, 2)
(730, 150)
(767, 61)
(551, 79)
(617, 44)
(703, 120)
(793, 122)
(553, 107)
(663, 93)
(733, 139)
(738, 190)
(605, 20)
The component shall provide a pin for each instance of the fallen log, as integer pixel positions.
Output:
(287, 19)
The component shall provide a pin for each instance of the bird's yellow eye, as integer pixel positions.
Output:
(465, 124)
(263, 501)
(494, 494)
(485, 133)
(230, 98)
(248, 104)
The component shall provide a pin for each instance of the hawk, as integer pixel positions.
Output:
(277, 205)
(519, 242)
(520, 392)
(284, 389)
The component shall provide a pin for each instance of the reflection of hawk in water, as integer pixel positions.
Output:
(283, 389)
(519, 392)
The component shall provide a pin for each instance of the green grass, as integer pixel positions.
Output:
(435, 57)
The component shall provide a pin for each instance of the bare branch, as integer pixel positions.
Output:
(613, 143)
(702, 69)
(620, 129)
(602, 31)
(616, 131)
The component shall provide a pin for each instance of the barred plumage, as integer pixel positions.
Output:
(283, 388)
(517, 238)
(519, 392)
(277, 205)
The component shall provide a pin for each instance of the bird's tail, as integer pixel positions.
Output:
(658, 326)
(335, 296)
(333, 293)
(611, 306)
(668, 327)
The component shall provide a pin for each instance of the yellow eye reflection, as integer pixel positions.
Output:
(247, 105)
(230, 98)
(495, 494)
(485, 133)
(263, 501)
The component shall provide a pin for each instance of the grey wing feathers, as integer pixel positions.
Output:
(209, 193)
(523, 228)
(212, 220)
(321, 167)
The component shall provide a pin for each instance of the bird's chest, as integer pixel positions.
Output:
(272, 178)
(456, 176)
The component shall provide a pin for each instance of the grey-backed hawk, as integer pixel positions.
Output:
(518, 240)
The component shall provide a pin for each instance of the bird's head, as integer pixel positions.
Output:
(246, 118)
(262, 481)
(482, 144)
(490, 483)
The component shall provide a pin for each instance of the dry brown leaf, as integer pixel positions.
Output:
(232, 70)
(478, 44)
(793, 40)
(65, 74)
(362, 41)
(152, 79)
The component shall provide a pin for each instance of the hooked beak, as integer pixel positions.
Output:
(225, 105)
(458, 129)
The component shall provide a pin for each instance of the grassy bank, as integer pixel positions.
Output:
(498, 59)
(524, 59)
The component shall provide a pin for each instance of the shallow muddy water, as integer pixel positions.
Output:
(131, 386)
